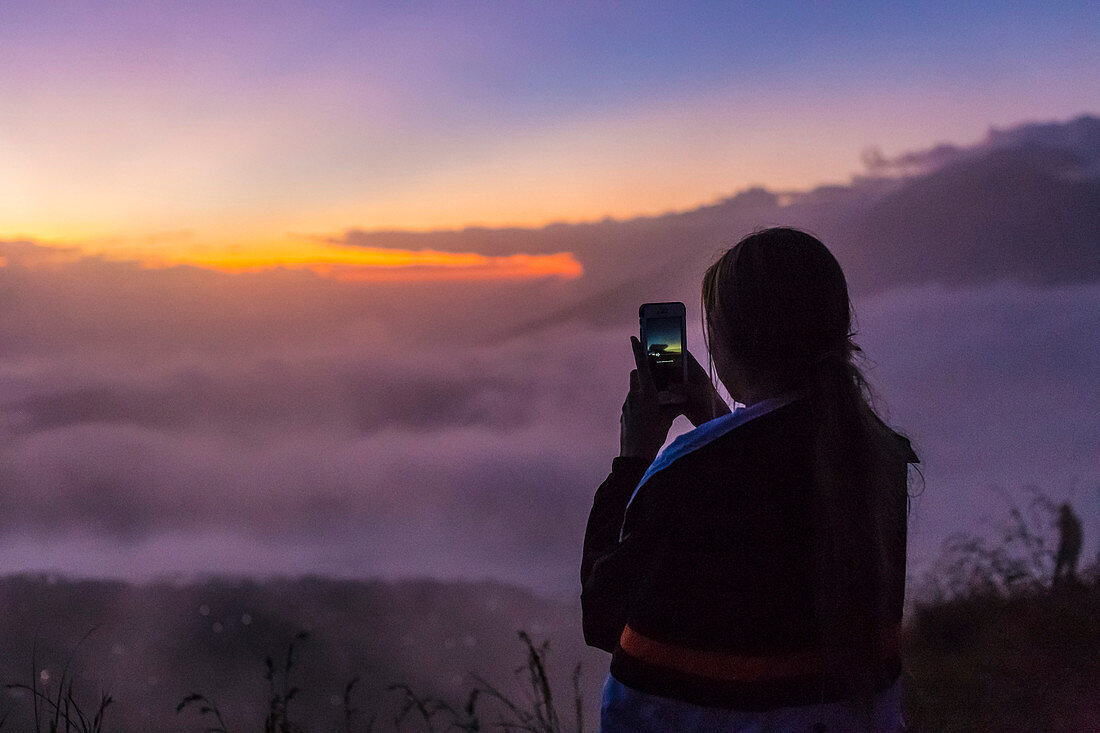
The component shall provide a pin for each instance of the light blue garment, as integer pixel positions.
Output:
(706, 433)
(625, 710)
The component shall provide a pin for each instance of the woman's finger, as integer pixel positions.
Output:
(641, 360)
(695, 370)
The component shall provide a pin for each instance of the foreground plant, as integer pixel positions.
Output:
(487, 708)
(1019, 559)
(280, 694)
(537, 715)
(60, 712)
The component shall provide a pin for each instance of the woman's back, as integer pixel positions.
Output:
(724, 612)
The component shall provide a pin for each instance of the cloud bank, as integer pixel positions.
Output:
(183, 419)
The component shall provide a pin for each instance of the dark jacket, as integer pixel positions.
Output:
(712, 587)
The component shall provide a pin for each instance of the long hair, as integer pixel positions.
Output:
(776, 306)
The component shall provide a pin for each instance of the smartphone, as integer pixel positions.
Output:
(664, 336)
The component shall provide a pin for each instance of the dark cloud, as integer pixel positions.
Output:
(1079, 137)
(1024, 204)
(911, 163)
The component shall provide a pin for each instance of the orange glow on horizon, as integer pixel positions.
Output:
(377, 264)
(509, 267)
(335, 261)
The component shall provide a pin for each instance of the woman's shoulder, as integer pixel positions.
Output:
(737, 426)
(732, 451)
(780, 429)
(740, 463)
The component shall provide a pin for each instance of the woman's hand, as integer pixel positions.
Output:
(703, 402)
(645, 423)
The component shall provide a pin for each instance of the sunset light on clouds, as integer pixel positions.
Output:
(333, 260)
(251, 124)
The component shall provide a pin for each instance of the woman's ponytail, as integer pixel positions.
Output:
(777, 311)
(851, 567)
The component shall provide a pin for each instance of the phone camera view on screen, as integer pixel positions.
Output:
(663, 338)
(665, 350)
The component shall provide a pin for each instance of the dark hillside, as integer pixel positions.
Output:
(985, 661)
(1026, 662)
(154, 644)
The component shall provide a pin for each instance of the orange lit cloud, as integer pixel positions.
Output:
(377, 264)
(339, 262)
(477, 267)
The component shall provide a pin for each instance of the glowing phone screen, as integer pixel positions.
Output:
(664, 346)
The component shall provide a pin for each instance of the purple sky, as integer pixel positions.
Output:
(146, 128)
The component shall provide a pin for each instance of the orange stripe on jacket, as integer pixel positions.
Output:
(731, 667)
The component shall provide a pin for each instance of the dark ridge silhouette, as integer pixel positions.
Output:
(1019, 213)
(1023, 205)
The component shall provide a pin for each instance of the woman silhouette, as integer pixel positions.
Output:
(751, 576)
